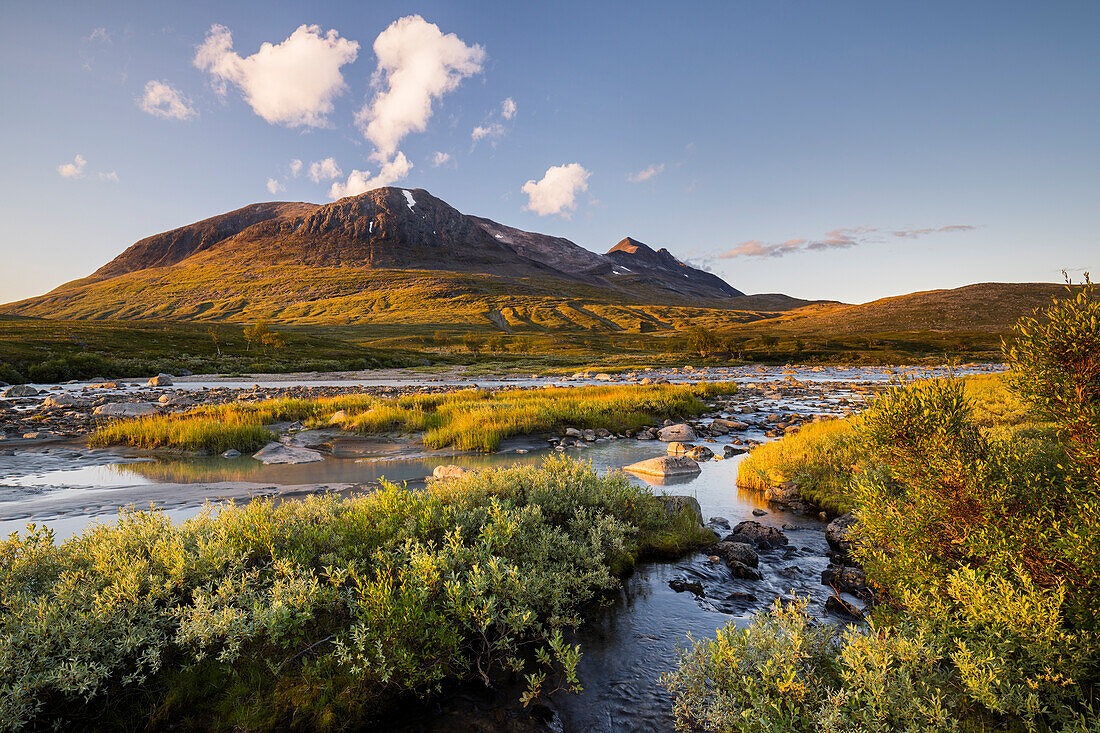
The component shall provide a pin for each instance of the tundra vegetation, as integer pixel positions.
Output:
(466, 419)
(317, 614)
(978, 508)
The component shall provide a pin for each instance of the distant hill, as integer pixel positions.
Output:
(983, 307)
(391, 255)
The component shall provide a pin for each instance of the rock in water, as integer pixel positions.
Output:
(676, 448)
(665, 466)
(736, 552)
(763, 537)
(700, 453)
(281, 453)
(20, 390)
(841, 607)
(676, 504)
(838, 535)
(161, 380)
(682, 433)
(448, 472)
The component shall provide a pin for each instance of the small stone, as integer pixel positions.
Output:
(231, 453)
(693, 586)
(841, 607)
(758, 512)
(448, 472)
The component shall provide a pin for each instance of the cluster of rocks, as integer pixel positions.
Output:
(844, 575)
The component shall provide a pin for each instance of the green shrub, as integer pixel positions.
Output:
(313, 614)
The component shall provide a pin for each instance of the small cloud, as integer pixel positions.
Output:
(295, 167)
(440, 158)
(110, 177)
(508, 108)
(362, 181)
(557, 192)
(99, 34)
(492, 131)
(74, 169)
(273, 186)
(292, 83)
(836, 239)
(161, 100)
(417, 64)
(324, 170)
(645, 174)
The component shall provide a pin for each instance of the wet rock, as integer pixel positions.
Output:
(758, 512)
(729, 451)
(677, 448)
(676, 504)
(740, 552)
(692, 586)
(782, 492)
(838, 535)
(681, 432)
(574, 433)
(161, 380)
(791, 571)
(700, 453)
(448, 472)
(288, 454)
(847, 579)
(20, 390)
(62, 400)
(743, 571)
(841, 607)
(740, 595)
(754, 533)
(126, 410)
(719, 522)
(231, 453)
(665, 466)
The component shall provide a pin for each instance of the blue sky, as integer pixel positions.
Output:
(822, 149)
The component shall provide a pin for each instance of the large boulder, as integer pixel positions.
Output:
(62, 400)
(126, 410)
(448, 472)
(759, 535)
(847, 579)
(736, 552)
(839, 535)
(161, 380)
(665, 467)
(674, 505)
(290, 454)
(682, 433)
(20, 390)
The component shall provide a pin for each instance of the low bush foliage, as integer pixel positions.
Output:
(978, 524)
(314, 614)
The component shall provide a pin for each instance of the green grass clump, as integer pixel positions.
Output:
(465, 419)
(185, 433)
(819, 459)
(316, 614)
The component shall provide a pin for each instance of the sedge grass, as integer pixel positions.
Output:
(465, 419)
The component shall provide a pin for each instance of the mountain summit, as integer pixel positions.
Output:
(292, 261)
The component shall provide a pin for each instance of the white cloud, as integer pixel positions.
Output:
(417, 64)
(646, 174)
(161, 100)
(100, 34)
(324, 170)
(557, 192)
(110, 177)
(508, 108)
(492, 130)
(362, 181)
(273, 186)
(295, 167)
(292, 83)
(74, 169)
(439, 158)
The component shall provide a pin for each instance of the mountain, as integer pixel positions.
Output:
(387, 254)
